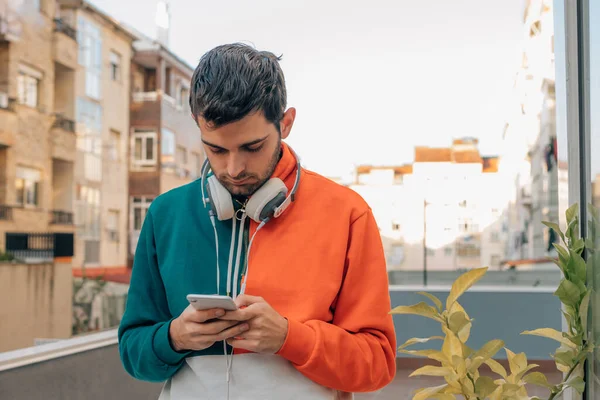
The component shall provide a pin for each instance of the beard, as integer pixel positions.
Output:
(250, 188)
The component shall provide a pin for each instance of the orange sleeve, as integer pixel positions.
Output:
(357, 351)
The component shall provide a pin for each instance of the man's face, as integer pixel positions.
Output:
(244, 154)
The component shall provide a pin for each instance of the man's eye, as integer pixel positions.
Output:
(254, 149)
(217, 151)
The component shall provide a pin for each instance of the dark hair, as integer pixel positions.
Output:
(234, 80)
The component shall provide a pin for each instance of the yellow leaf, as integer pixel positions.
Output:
(430, 370)
(517, 362)
(463, 283)
(452, 345)
(486, 352)
(457, 322)
(496, 367)
(520, 375)
(551, 334)
(432, 354)
(443, 396)
(435, 300)
(460, 366)
(537, 378)
(484, 386)
(583, 312)
(463, 331)
(426, 393)
(412, 341)
(423, 309)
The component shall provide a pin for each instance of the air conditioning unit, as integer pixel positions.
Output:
(3, 100)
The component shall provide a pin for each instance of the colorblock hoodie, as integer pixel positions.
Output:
(320, 265)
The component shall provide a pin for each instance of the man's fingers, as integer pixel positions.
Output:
(246, 300)
(213, 328)
(229, 333)
(205, 315)
(239, 315)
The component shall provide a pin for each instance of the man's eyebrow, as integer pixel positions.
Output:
(243, 145)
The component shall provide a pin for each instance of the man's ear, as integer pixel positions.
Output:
(285, 126)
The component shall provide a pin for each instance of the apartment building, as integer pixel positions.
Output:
(38, 64)
(541, 183)
(166, 150)
(100, 109)
(443, 211)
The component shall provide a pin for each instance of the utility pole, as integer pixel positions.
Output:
(425, 242)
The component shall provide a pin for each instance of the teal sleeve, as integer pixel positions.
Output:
(144, 345)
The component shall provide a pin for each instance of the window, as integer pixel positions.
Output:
(430, 251)
(139, 210)
(495, 260)
(37, 4)
(181, 156)
(28, 83)
(88, 211)
(395, 226)
(495, 237)
(115, 146)
(89, 126)
(144, 151)
(115, 66)
(90, 56)
(447, 251)
(27, 186)
(167, 148)
(112, 225)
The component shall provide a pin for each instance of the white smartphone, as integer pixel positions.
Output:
(210, 301)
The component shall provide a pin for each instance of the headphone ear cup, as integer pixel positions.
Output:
(263, 203)
(220, 199)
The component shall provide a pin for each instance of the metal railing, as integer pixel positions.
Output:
(39, 246)
(5, 213)
(61, 217)
(140, 97)
(64, 123)
(63, 27)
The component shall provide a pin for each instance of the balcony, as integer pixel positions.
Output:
(61, 217)
(39, 247)
(65, 49)
(63, 139)
(146, 109)
(8, 121)
(10, 24)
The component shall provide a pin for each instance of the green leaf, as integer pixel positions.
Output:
(568, 293)
(551, 334)
(516, 362)
(563, 256)
(463, 283)
(423, 309)
(496, 367)
(565, 357)
(555, 228)
(435, 300)
(576, 383)
(578, 246)
(426, 393)
(443, 396)
(572, 213)
(577, 266)
(537, 378)
(583, 312)
(484, 386)
(589, 244)
(412, 341)
(430, 370)
(569, 318)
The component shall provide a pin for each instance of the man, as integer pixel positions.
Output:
(313, 321)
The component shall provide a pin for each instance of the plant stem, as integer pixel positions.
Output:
(559, 387)
(473, 382)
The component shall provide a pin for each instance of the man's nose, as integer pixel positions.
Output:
(235, 165)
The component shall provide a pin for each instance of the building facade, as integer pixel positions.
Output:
(37, 102)
(432, 213)
(165, 146)
(102, 91)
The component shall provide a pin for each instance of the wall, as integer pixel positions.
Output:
(498, 314)
(40, 298)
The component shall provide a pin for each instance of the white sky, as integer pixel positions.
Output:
(369, 81)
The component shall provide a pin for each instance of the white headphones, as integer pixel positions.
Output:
(270, 201)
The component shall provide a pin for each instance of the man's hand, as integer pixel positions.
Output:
(268, 329)
(194, 330)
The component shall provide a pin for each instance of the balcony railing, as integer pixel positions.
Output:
(61, 217)
(63, 27)
(39, 246)
(64, 123)
(140, 97)
(10, 24)
(5, 213)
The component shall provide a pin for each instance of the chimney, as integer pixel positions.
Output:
(163, 20)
